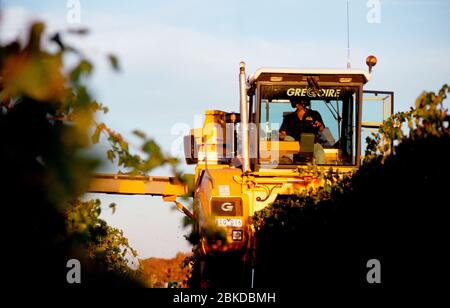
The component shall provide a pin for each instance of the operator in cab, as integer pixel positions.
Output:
(303, 121)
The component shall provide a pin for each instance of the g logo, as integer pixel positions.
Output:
(310, 92)
(227, 207)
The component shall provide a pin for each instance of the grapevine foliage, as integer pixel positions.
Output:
(47, 127)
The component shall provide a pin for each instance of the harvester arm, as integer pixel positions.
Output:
(120, 184)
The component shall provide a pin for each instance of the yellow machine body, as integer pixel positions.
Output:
(225, 196)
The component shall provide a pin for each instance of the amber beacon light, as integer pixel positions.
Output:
(371, 61)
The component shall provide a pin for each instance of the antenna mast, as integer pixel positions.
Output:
(348, 39)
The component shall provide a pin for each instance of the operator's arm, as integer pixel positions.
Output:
(283, 129)
(318, 122)
(319, 125)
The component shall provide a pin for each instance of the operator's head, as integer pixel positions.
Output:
(302, 101)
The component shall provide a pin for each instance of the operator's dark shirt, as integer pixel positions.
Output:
(293, 126)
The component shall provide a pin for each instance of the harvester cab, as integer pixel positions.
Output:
(245, 160)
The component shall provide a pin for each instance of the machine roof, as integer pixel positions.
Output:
(280, 70)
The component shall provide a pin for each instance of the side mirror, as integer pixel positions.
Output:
(190, 150)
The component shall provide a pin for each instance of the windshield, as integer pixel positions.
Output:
(299, 125)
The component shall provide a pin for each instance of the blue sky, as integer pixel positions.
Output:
(180, 58)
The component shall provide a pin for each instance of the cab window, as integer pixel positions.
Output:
(323, 134)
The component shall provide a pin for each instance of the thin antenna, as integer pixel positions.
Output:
(348, 39)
